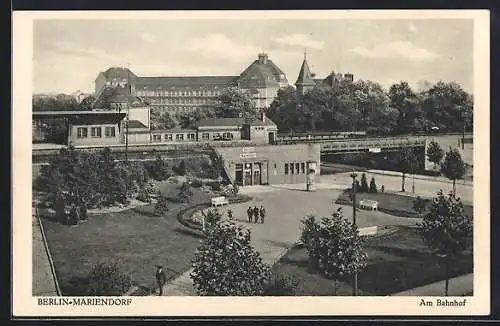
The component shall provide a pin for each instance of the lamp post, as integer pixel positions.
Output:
(353, 175)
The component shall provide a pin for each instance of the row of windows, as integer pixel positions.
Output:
(295, 168)
(159, 92)
(181, 109)
(191, 136)
(95, 132)
(259, 128)
(180, 100)
(170, 137)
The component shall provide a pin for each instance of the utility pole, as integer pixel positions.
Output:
(353, 176)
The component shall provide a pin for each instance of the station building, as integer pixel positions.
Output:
(267, 165)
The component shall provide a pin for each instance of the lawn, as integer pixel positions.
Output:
(396, 262)
(135, 238)
(398, 205)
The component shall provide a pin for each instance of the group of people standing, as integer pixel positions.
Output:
(254, 214)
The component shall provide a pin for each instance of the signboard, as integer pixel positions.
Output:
(374, 150)
(248, 155)
(248, 149)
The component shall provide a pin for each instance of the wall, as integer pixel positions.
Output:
(89, 140)
(138, 138)
(260, 134)
(141, 114)
(276, 156)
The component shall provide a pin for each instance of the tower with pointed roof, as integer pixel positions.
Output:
(305, 81)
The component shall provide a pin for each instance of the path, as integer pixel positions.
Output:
(458, 286)
(286, 206)
(44, 283)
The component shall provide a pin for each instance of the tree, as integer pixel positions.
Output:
(185, 192)
(453, 167)
(404, 99)
(435, 153)
(373, 186)
(446, 229)
(226, 264)
(162, 120)
(406, 161)
(181, 168)
(283, 110)
(419, 205)
(337, 247)
(364, 184)
(214, 167)
(281, 285)
(161, 206)
(447, 106)
(234, 103)
(106, 279)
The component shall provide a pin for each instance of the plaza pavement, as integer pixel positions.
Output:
(286, 206)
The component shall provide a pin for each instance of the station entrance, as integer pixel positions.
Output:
(249, 174)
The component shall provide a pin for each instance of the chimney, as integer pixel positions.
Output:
(262, 58)
(263, 117)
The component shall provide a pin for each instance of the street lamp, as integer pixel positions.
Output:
(353, 175)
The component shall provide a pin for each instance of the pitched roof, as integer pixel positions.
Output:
(195, 81)
(220, 122)
(305, 76)
(262, 72)
(136, 124)
(118, 72)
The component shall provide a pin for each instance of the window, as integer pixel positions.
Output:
(191, 136)
(205, 136)
(286, 168)
(109, 132)
(179, 137)
(297, 165)
(156, 137)
(81, 132)
(291, 168)
(95, 132)
(303, 167)
(168, 137)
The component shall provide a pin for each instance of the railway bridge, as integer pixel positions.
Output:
(42, 153)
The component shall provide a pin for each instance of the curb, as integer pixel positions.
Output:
(51, 262)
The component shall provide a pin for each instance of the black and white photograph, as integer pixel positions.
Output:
(209, 163)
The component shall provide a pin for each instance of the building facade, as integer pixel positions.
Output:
(264, 165)
(262, 80)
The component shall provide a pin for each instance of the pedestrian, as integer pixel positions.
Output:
(161, 278)
(262, 214)
(249, 213)
(230, 214)
(83, 210)
(255, 214)
(74, 215)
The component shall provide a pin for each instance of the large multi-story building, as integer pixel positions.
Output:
(262, 79)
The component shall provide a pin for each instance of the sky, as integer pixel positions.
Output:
(69, 54)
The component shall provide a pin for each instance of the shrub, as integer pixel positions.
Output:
(282, 285)
(236, 189)
(373, 186)
(106, 279)
(161, 206)
(196, 183)
(180, 169)
(143, 195)
(185, 193)
(215, 186)
(419, 205)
